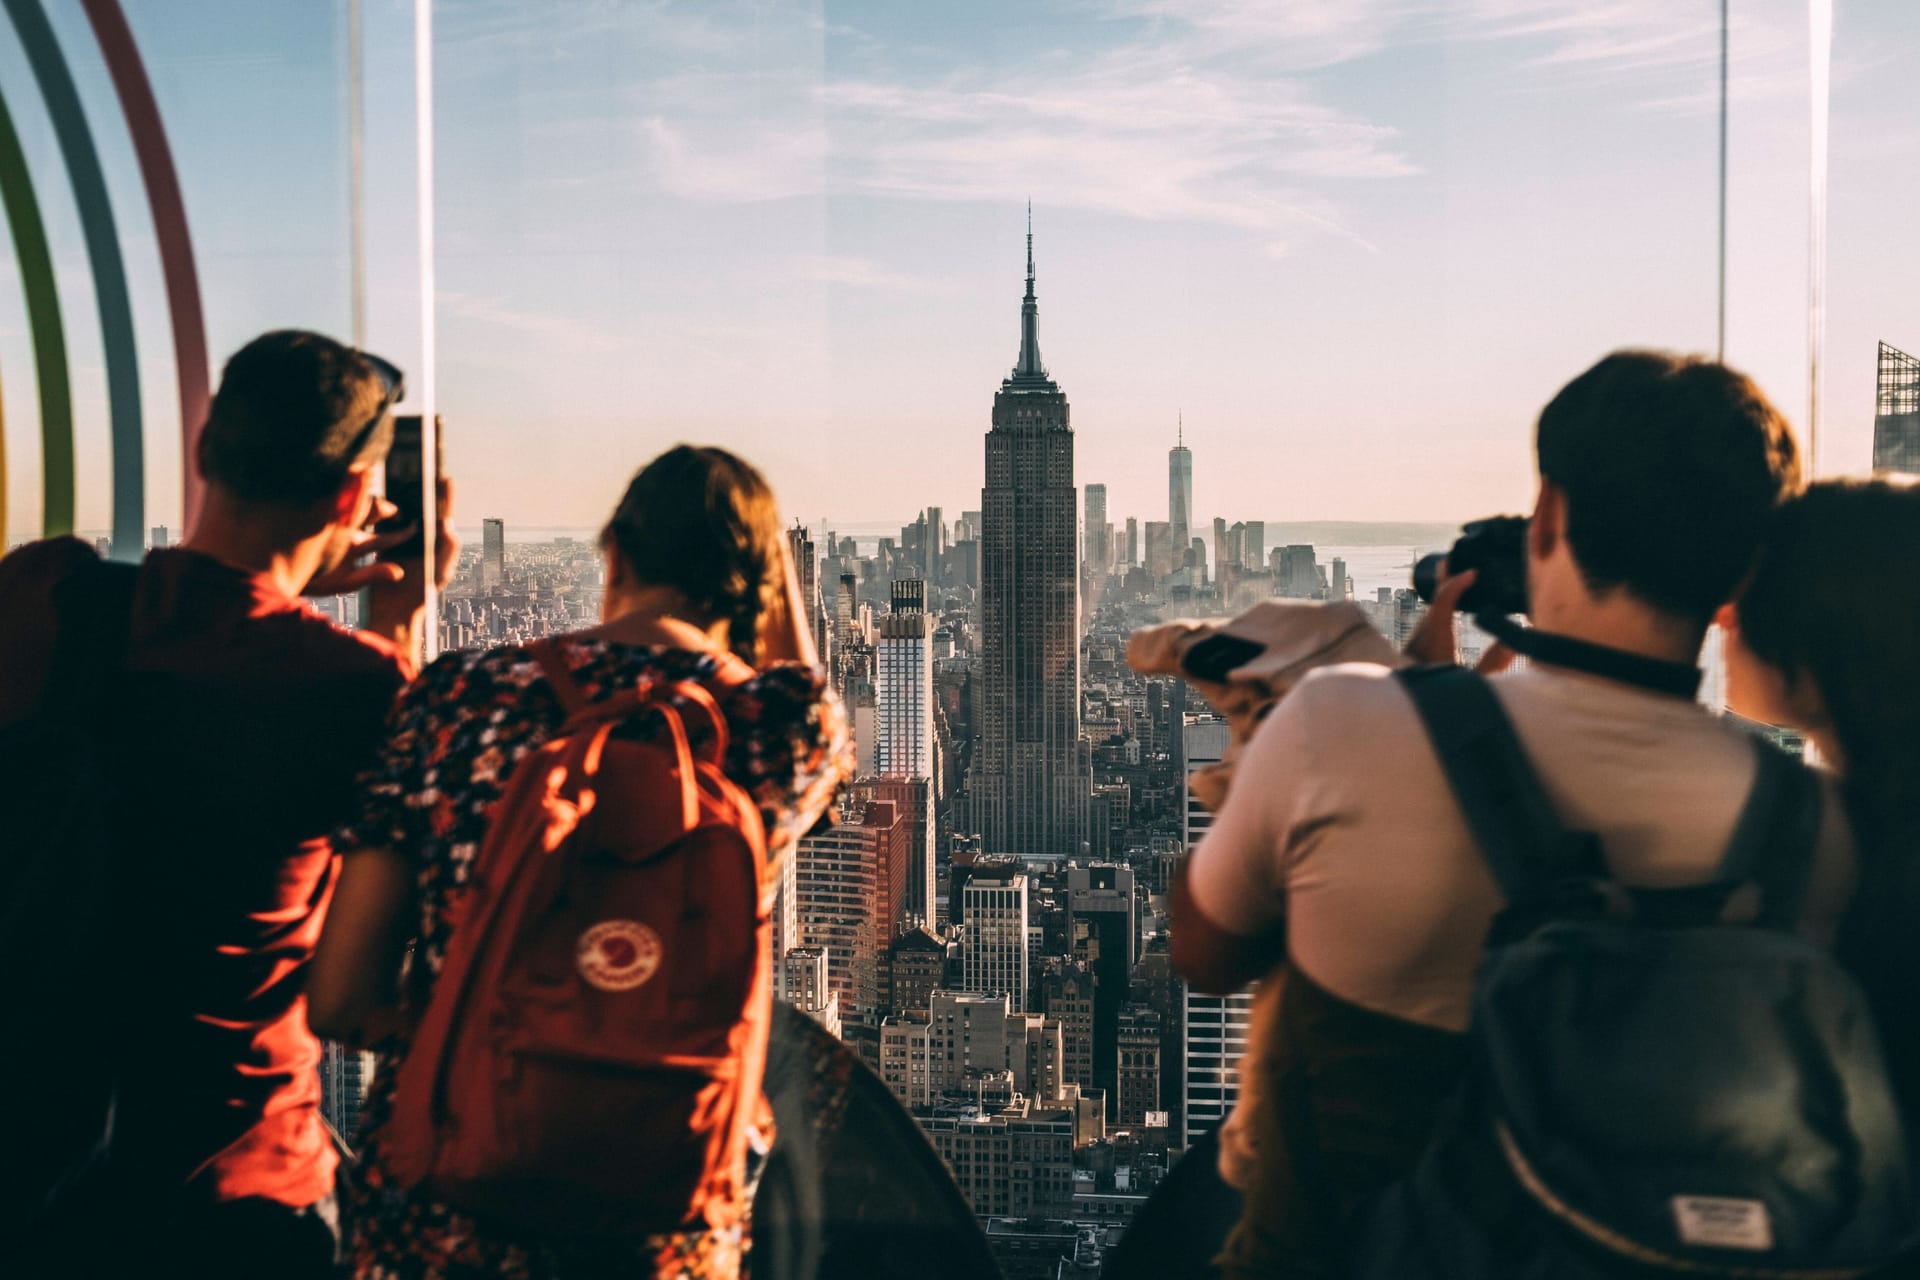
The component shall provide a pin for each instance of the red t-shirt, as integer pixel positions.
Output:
(246, 718)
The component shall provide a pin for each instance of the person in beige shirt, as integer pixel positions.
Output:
(1353, 841)
(1340, 856)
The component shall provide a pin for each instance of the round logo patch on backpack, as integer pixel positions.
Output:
(618, 955)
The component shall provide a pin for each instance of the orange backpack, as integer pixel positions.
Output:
(591, 1057)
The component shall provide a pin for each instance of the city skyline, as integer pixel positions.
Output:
(1358, 244)
(1031, 784)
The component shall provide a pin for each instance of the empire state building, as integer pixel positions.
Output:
(1031, 785)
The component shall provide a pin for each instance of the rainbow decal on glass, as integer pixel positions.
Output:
(82, 160)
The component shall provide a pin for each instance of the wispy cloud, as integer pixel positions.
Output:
(494, 311)
(861, 273)
(1652, 54)
(1172, 122)
(766, 162)
(1214, 112)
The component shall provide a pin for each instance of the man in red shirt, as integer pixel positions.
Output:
(240, 723)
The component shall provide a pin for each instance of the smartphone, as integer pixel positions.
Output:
(1214, 657)
(404, 484)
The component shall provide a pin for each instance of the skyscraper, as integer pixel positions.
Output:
(993, 945)
(849, 889)
(1180, 490)
(1896, 411)
(1254, 545)
(1215, 1026)
(1099, 534)
(903, 685)
(1137, 1065)
(1160, 549)
(936, 544)
(845, 609)
(903, 740)
(1103, 929)
(493, 554)
(1133, 541)
(1031, 784)
(806, 568)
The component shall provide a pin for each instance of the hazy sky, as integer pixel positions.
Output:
(1356, 242)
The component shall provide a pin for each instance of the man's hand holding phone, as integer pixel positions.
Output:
(397, 600)
(357, 570)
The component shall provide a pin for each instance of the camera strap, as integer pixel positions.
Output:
(1675, 679)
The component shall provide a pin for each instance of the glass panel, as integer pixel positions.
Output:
(1872, 415)
(1358, 245)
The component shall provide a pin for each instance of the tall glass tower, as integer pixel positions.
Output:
(1180, 495)
(1031, 785)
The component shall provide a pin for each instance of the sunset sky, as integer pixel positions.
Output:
(1356, 243)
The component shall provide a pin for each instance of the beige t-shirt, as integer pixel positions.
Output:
(1341, 825)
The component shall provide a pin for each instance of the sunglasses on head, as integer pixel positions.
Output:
(393, 388)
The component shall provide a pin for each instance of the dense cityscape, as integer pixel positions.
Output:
(986, 922)
(1391, 754)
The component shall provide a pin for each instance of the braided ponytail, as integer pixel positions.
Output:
(703, 521)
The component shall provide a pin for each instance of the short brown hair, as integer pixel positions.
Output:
(292, 419)
(1671, 466)
(704, 522)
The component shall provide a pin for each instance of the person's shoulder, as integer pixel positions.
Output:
(800, 681)
(1333, 712)
(319, 647)
(509, 666)
(29, 577)
(37, 567)
(1348, 690)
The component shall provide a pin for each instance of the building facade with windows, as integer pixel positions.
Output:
(993, 947)
(849, 890)
(1214, 1028)
(1896, 411)
(1031, 784)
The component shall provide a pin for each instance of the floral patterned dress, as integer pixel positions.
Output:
(454, 739)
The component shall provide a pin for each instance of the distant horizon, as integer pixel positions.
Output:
(1351, 533)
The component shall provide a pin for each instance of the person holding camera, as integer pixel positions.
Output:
(179, 739)
(1341, 866)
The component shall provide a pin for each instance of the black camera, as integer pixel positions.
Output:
(1497, 547)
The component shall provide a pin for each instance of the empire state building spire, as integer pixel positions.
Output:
(1030, 782)
(1029, 372)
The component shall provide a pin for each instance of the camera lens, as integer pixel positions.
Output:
(1426, 575)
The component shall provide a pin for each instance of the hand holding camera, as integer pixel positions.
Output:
(1485, 574)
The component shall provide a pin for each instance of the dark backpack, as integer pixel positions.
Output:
(57, 924)
(1659, 1082)
(592, 1055)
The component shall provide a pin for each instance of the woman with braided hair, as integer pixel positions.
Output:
(698, 589)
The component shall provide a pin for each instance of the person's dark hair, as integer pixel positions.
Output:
(296, 412)
(1670, 466)
(704, 522)
(1835, 599)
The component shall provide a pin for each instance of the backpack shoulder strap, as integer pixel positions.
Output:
(1529, 852)
(1775, 840)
